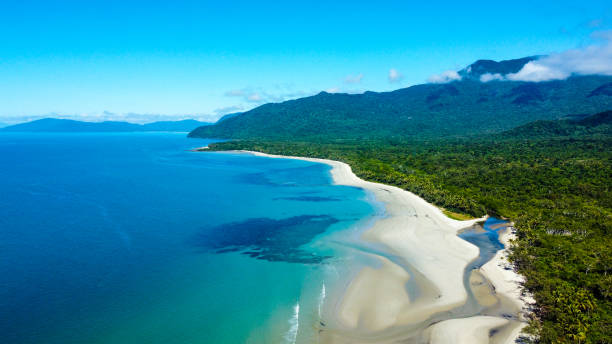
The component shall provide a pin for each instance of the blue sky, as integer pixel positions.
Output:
(106, 59)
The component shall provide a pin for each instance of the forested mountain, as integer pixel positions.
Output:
(228, 116)
(482, 67)
(67, 125)
(552, 178)
(575, 126)
(465, 107)
(536, 153)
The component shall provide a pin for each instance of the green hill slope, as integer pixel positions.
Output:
(459, 108)
(552, 178)
(599, 124)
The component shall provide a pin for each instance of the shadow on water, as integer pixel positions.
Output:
(266, 238)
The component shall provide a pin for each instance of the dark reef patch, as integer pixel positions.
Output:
(267, 239)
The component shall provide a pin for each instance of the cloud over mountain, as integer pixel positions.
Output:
(228, 109)
(490, 77)
(260, 96)
(592, 59)
(444, 77)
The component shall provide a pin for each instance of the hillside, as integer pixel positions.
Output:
(465, 107)
(228, 116)
(598, 124)
(551, 178)
(481, 67)
(66, 125)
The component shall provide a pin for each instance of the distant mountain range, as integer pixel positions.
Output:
(67, 125)
(459, 108)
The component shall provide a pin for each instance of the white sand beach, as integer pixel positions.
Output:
(507, 282)
(464, 331)
(419, 235)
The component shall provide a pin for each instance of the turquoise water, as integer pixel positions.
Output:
(131, 238)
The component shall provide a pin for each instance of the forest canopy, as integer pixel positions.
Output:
(552, 178)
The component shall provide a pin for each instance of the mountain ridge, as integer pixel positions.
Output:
(68, 125)
(575, 126)
(504, 67)
(459, 108)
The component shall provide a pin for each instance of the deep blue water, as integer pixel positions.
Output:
(131, 238)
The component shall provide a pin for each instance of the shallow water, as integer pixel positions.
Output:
(486, 237)
(481, 296)
(123, 238)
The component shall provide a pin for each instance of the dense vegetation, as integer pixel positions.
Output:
(466, 107)
(576, 126)
(554, 184)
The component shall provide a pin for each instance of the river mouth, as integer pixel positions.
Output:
(413, 276)
(482, 299)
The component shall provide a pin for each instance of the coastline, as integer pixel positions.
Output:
(376, 306)
(507, 282)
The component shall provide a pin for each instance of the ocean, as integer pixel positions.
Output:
(132, 238)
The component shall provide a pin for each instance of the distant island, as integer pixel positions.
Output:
(67, 125)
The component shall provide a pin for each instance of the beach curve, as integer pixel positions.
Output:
(375, 304)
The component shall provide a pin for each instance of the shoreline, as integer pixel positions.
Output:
(376, 307)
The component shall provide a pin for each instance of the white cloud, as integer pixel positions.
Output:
(490, 77)
(137, 117)
(444, 77)
(228, 109)
(259, 95)
(234, 93)
(395, 76)
(353, 79)
(537, 71)
(285, 96)
(254, 98)
(345, 90)
(592, 59)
